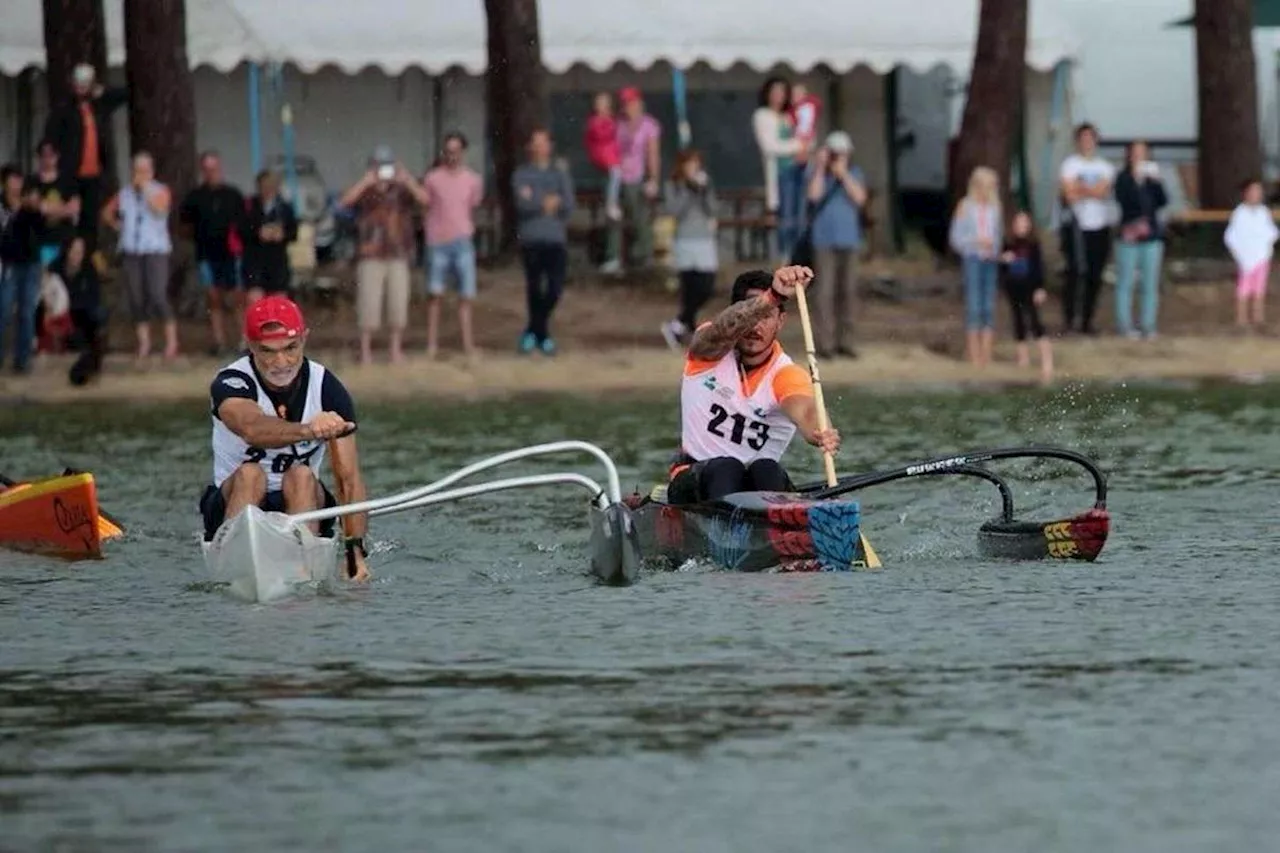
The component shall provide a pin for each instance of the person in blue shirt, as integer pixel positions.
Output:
(837, 193)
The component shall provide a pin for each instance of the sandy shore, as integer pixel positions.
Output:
(881, 366)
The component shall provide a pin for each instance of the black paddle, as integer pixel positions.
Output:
(351, 547)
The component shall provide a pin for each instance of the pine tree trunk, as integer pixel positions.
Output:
(516, 96)
(75, 31)
(996, 88)
(162, 106)
(1230, 144)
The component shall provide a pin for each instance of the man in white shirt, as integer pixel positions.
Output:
(1086, 184)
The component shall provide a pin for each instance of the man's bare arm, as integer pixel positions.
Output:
(710, 343)
(803, 412)
(348, 484)
(257, 428)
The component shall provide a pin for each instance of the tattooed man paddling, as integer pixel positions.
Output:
(742, 399)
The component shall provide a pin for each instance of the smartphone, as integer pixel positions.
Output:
(386, 172)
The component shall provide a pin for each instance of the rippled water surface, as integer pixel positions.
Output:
(483, 694)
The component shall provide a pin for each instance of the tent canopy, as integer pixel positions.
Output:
(435, 35)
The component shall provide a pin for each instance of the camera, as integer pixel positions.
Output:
(386, 172)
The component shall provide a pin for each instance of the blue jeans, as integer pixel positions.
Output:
(459, 256)
(980, 276)
(613, 188)
(1144, 257)
(20, 284)
(791, 208)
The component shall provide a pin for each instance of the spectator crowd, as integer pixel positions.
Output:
(815, 201)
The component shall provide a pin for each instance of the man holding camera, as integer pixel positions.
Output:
(384, 201)
(838, 192)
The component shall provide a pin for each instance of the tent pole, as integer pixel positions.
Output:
(1060, 78)
(679, 93)
(255, 120)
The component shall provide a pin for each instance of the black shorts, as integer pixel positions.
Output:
(268, 279)
(213, 507)
(223, 274)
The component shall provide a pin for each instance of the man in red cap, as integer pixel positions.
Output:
(275, 412)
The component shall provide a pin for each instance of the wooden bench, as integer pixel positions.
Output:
(742, 213)
(746, 219)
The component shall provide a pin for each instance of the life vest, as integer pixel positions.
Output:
(230, 451)
(718, 417)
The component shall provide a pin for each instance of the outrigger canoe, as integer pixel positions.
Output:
(58, 516)
(818, 528)
(263, 556)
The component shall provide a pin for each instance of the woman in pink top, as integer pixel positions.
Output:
(601, 139)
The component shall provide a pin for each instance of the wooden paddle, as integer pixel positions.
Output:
(828, 461)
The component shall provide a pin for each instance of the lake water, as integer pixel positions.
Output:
(484, 695)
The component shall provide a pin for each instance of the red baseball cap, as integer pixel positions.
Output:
(629, 94)
(273, 310)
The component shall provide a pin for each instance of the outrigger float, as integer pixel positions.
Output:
(262, 556)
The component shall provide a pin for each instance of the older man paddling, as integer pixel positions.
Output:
(274, 411)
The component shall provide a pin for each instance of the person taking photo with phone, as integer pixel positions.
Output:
(384, 200)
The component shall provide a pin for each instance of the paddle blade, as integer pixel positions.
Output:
(108, 529)
(869, 555)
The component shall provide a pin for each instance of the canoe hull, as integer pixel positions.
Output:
(615, 545)
(754, 531)
(57, 516)
(263, 557)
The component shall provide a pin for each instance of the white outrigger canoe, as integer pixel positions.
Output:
(264, 556)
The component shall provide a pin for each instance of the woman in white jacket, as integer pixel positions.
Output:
(775, 135)
(1250, 236)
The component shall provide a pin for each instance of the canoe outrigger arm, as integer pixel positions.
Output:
(591, 485)
(1078, 537)
(434, 493)
(615, 552)
(964, 464)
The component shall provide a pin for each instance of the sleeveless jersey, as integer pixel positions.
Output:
(230, 450)
(718, 419)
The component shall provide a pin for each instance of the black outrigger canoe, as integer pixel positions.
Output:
(818, 528)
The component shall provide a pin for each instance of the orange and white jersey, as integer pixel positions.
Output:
(726, 412)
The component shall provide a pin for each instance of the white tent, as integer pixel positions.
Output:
(402, 72)
(434, 35)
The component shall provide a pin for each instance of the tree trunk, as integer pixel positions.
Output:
(516, 96)
(996, 88)
(75, 31)
(1230, 144)
(162, 105)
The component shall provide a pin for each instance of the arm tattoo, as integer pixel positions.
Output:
(712, 342)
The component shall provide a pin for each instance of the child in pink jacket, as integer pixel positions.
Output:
(601, 141)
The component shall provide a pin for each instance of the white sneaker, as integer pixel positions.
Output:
(673, 331)
(611, 267)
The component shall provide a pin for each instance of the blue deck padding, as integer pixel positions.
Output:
(835, 527)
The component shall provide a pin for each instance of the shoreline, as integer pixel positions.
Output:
(880, 367)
